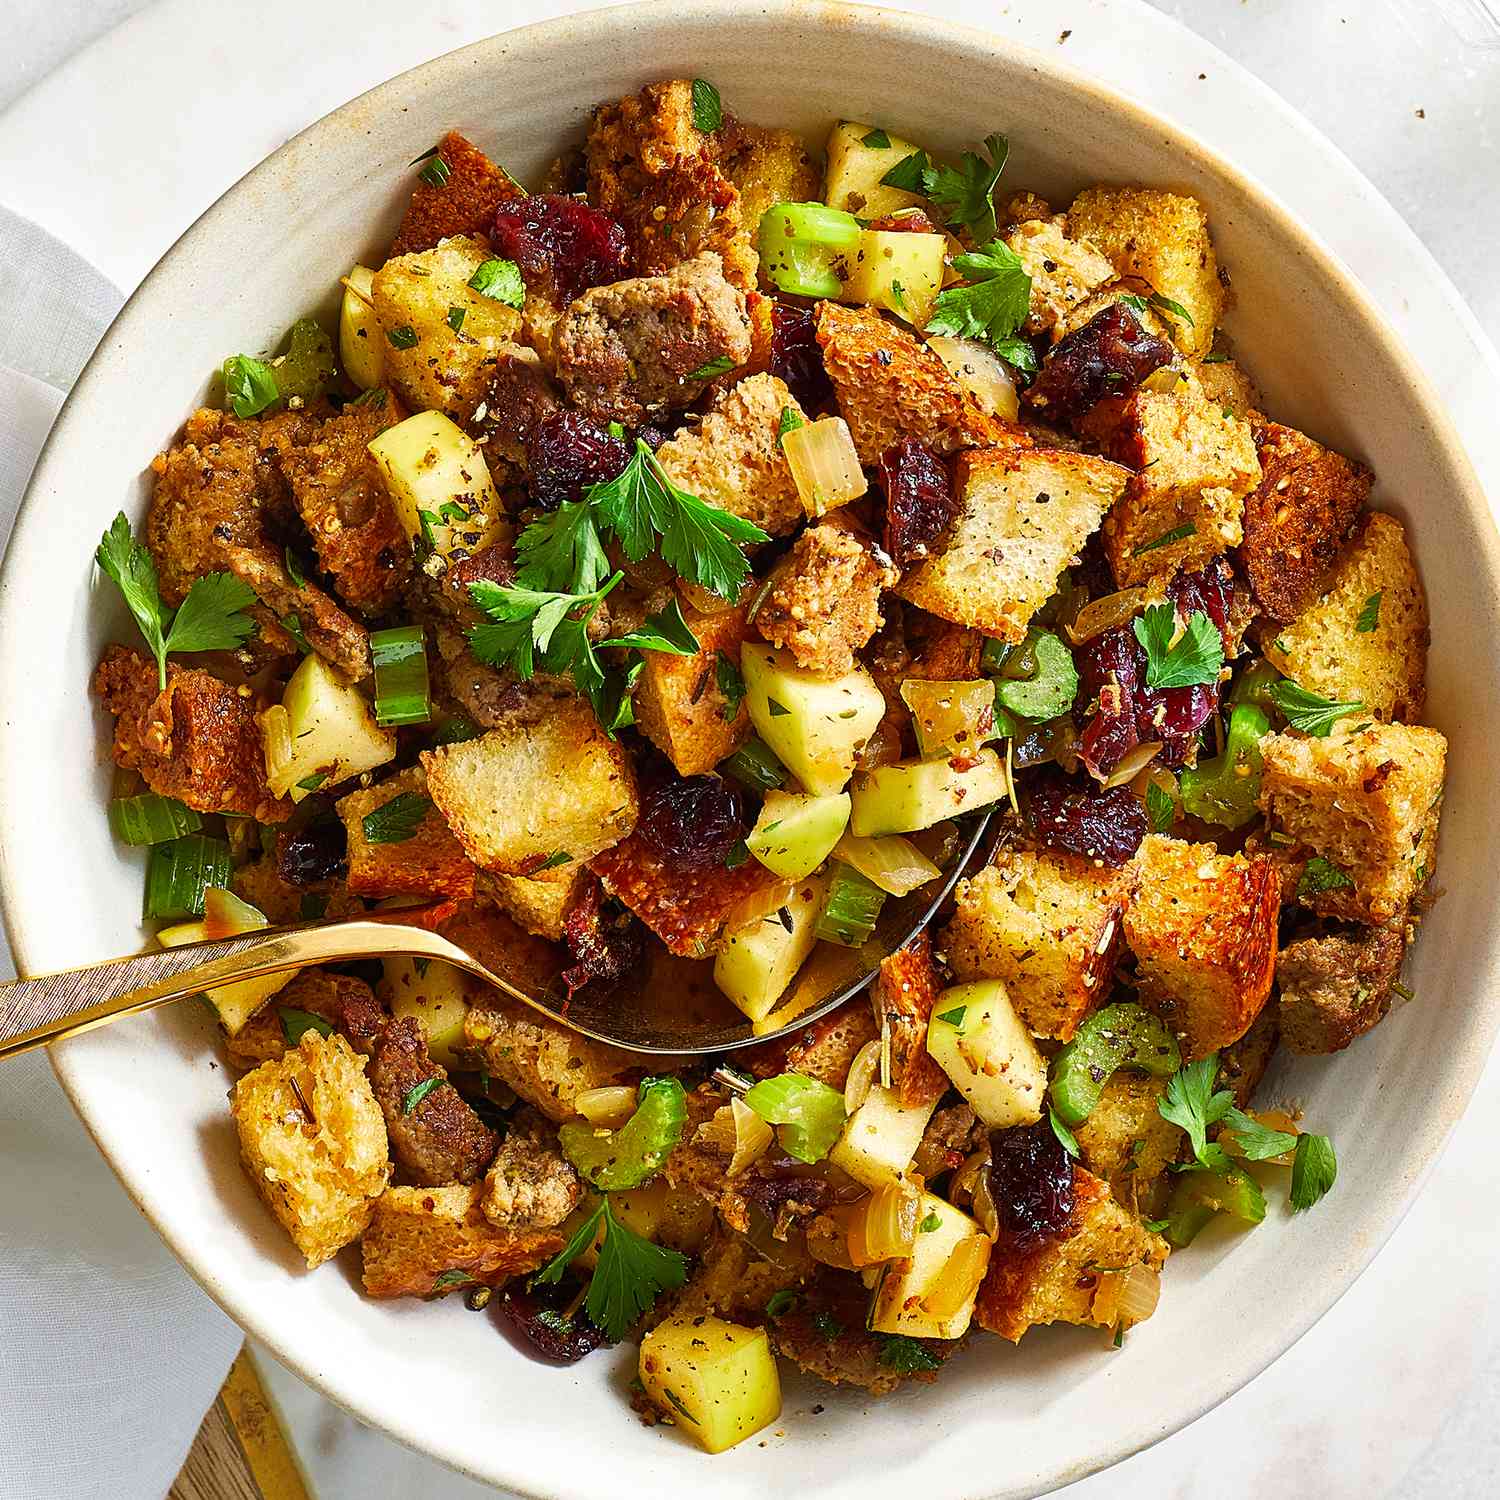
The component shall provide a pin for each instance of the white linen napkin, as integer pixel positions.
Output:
(109, 1353)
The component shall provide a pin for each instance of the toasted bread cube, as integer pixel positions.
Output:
(540, 903)
(1243, 1064)
(732, 458)
(889, 387)
(902, 997)
(1195, 463)
(429, 863)
(523, 793)
(1059, 1282)
(430, 1241)
(1202, 926)
(1225, 385)
(1025, 514)
(1365, 801)
(312, 1139)
(824, 1050)
(1335, 988)
(1365, 638)
(431, 365)
(1163, 238)
(766, 166)
(1063, 272)
(824, 600)
(464, 202)
(679, 702)
(1126, 1141)
(1048, 925)
(1297, 517)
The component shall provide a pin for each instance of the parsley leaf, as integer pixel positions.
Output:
(1369, 616)
(967, 191)
(562, 552)
(905, 1355)
(876, 140)
(788, 422)
(249, 385)
(1257, 1142)
(456, 317)
(395, 821)
(910, 173)
(1195, 659)
(1314, 1169)
(436, 172)
(1160, 808)
(994, 303)
(1066, 1138)
(1310, 712)
(123, 559)
(404, 337)
(731, 686)
(664, 631)
(295, 570)
(708, 108)
(1165, 305)
(722, 365)
(779, 1302)
(295, 1022)
(1322, 875)
(1192, 1103)
(500, 281)
(955, 1017)
(212, 616)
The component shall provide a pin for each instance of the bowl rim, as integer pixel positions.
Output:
(1466, 1062)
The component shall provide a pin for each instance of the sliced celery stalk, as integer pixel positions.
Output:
(1224, 790)
(401, 690)
(851, 910)
(613, 1160)
(805, 248)
(178, 873)
(1051, 688)
(1120, 1035)
(151, 819)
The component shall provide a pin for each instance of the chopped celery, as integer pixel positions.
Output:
(851, 910)
(613, 1160)
(178, 873)
(1254, 684)
(1200, 1194)
(1120, 1035)
(1224, 790)
(151, 819)
(810, 1114)
(755, 764)
(805, 248)
(400, 661)
(1050, 688)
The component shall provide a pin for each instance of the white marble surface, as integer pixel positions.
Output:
(1397, 1390)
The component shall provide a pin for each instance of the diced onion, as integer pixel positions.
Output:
(276, 738)
(884, 1225)
(824, 464)
(610, 1107)
(758, 905)
(736, 1131)
(828, 1237)
(893, 863)
(1134, 763)
(950, 718)
(981, 372)
(972, 1182)
(225, 915)
(959, 1279)
(1104, 614)
(861, 1076)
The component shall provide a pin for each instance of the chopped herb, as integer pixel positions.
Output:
(1194, 659)
(789, 422)
(293, 627)
(500, 281)
(436, 172)
(779, 1302)
(825, 1325)
(955, 1017)
(898, 294)
(296, 1023)
(967, 192)
(420, 965)
(418, 1092)
(708, 108)
(910, 173)
(1369, 616)
(294, 570)
(1192, 1103)
(931, 1224)
(1322, 875)
(1173, 309)
(737, 855)
(1118, 1342)
(395, 821)
(1257, 1142)
(313, 782)
(557, 858)
(905, 1355)
(450, 1279)
(992, 306)
(313, 905)
(777, 709)
(456, 318)
(1314, 1169)
(1066, 1138)
(1176, 534)
(876, 140)
(249, 385)
(730, 684)
(1160, 808)
(402, 337)
(721, 365)
(1155, 1225)
(677, 1403)
(1309, 712)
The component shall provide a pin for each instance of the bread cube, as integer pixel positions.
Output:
(679, 703)
(1364, 801)
(1243, 1064)
(1195, 463)
(766, 167)
(1202, 926)
(523, 793)
(464, 202)
(1225, 385)
(1048, 925)
(1063, 272)
(431, 365)
(1059, 1282)
(312, 1139)
(540, 903)
(1025, 514)
(824, 1049)
(1365, 637)
(426, 1241)
(1335, 988)
(1163, 238)
(732, 458)
(889, 387)
(1126, 1141)
(823, 604)
(431, 862)
(902, 997)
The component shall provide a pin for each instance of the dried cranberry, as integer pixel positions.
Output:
(315, 852)
(606, 945)
(796, 356)
(536, 1317)
(771, 1190)
(1031, 1182)
(693, 821)
(1108, 356)
(907, 221)
(565, 453)
(561, 239)
(1110, 670)
(1107, 825)
(919, 501)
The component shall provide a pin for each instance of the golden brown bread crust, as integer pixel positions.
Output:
(902, 998)
(465, 202)
(431, 862)
(823, 1049)
(198, 741)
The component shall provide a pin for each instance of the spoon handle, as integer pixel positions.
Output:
(34, 1012)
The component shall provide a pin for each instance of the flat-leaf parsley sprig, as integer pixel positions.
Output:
(992, 306)
(210, 618)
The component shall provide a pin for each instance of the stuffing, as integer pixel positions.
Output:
(1202, 926)
(540, 903)
(824, 1050)
(902, 998)
(1126, 1142)
(733, 1281)
(1224, 384)
(1334, 988)
(343, 1001)
(1046, 923)
(766, 167)
(1025, 514)
(313, 1142)
(1363, 637)
(523, 793)
(463, 203)
(1243, 1064)
(424, 1241)
(1365, 802)
(261, 883)
(1063, 272)
(431, 862)
(518, 396)
(530, 1185)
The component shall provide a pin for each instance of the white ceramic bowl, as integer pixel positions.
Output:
(1002, 1421)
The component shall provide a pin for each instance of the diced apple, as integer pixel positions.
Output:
(912, 795)
(755, 966)
(718, 1380)
(855, 168)
(225, 915)
(881, 1137)
(321, 732)
(439, 484)
(816, 726)
(899, 271)
(976, 1038)
(981, 372)
(795, 833)
(436, 994)
(361, 339)
(931, 1295)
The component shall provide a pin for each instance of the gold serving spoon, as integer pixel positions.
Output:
(671, 1006)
